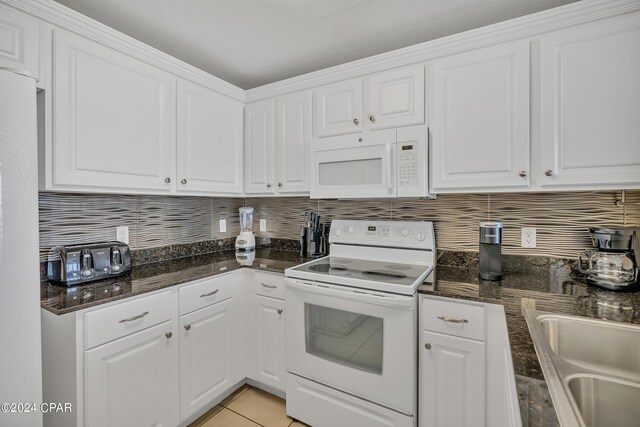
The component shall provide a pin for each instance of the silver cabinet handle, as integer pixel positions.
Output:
(268, 286)
(167, 180)
(548, 172)
(187, 327)
(268, 185)
(427, 346)
(522, 174)
(279, 184)
(131, 319)
(451, 320)
(184, 181)
(356, 122)
(168, 335)
(279, 311)
(210, 293)
(359, 139)
(372, 118)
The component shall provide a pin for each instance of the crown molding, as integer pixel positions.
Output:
(528, 26)
(68, 19)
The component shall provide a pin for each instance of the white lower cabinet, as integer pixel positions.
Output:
(265, 345)
(132, 381)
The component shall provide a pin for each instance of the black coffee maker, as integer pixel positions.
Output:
(490, 244)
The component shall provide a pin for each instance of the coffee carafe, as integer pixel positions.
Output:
(613, 264)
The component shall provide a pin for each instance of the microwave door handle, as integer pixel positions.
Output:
(390, 168)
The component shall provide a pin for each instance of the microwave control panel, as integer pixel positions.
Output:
(407, 165)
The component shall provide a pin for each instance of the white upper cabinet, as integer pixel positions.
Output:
(590, 105)
(391, 99)
(338, 108)
(258, 159)
(479, 119)
(114, 120)
(277, 141)
(18, 41)
(209, 144)
(396, 98)
(293, 139)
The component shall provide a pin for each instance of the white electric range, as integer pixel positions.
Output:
(351, 325)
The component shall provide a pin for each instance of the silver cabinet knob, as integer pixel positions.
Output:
(427, 346)
(167, 180)
(168, 335)
(268, 185)
(184, 181)
(359, 139)
(279, 184)
(372, 118)
(356, 122)
(187, 327)
(548, 172)
(279, 311)
(522, 174)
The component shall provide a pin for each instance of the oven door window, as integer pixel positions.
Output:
(343, 337)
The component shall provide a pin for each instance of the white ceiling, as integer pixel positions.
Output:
(254, 42)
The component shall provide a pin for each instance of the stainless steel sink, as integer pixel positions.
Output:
(604, 402)
(592, 368)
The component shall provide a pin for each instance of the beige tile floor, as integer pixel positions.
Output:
(248, 407)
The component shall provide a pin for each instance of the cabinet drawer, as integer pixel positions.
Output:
(268, 285)
(453, 318)
(113, 322)
(206, 292)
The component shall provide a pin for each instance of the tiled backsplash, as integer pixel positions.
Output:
(561, 218)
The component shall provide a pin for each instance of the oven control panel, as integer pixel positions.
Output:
(398, 234)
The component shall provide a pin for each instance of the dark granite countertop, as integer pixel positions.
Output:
(153, 276)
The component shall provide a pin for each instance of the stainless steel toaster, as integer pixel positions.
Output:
(76, 264)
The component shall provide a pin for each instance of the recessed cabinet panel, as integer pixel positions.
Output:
(338, 108)
(480, 119)
(18, 41)
(209, 141)
(259, 137)
(114, 118)
(293, 138)
(132, 381)
(589, 104)
(266, 345)
(396, 98)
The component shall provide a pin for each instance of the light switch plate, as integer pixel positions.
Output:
(223, 225)
(122, 234)
(263, 225)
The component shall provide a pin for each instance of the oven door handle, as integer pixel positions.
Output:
(388, 300)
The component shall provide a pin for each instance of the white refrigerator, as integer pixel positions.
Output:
(20, 347)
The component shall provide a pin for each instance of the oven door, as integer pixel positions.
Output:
(353, 171)
(360, 343)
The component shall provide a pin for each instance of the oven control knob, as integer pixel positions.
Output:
(404, 231)
(420, 237)
(338, 232)
(351, 229)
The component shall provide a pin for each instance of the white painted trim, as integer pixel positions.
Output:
(68, 19)
(514, 29)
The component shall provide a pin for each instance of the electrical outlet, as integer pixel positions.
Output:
(122, 234)
(528, 237)
(528, 303)
(223, 225)
(263, 225)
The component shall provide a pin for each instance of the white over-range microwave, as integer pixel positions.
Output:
(386, 163)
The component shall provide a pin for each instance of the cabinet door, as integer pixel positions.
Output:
(452, 384)
(132, 381)
(207, 355)
(396, 98)
(18, 41)
(210, 141)
(293, 139)
(480, 119)
(589, 104)
(265, 345)
(258, 142)
(114, 121)
(337, 108)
